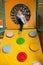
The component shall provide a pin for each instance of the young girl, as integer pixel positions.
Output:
(21, 19)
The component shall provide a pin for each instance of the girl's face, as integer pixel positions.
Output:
(19, 12)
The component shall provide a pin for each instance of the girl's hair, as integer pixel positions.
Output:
(20, 10)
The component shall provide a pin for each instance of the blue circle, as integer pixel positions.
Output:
(33, 34)
(7, 48)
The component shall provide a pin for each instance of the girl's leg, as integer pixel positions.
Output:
(21, 26)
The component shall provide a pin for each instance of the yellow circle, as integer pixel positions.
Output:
(34, 47)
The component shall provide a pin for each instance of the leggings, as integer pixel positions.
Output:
(20, 23)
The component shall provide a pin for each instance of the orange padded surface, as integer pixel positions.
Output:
(32, 6)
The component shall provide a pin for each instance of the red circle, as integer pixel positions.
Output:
(22, 56)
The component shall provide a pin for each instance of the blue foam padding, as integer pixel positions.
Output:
(32, 34)
(7, 48)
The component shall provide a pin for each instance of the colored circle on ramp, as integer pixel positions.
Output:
(20, 40)
(22, 56)
(32, 34)
(7, 48)
(34, 47)
(10, 34)
(36, 63)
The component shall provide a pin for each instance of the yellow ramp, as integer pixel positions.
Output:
(11, 58)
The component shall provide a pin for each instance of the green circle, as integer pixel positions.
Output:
(20, 40)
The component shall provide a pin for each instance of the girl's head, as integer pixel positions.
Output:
(19, 12)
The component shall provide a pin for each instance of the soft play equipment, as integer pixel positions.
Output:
(24, 48)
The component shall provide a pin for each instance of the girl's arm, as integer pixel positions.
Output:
(24, 19)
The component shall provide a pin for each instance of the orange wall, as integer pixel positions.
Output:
(8, 6)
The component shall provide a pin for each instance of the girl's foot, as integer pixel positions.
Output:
(20, 32)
